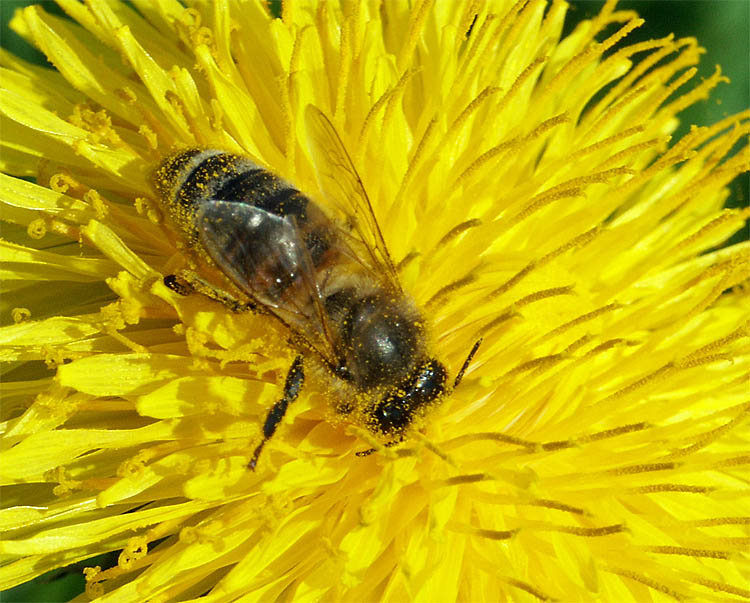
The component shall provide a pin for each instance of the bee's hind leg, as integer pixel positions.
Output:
(187, 282)
(294, 380)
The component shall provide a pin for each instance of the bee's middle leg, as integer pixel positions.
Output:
(188, 282)
(294, 380)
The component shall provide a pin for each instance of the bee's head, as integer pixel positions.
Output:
(396, 411)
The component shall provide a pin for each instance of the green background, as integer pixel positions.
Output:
(721, 26)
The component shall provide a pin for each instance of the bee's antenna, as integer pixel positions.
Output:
(466, 363)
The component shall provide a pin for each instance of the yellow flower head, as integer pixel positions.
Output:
(529, 195)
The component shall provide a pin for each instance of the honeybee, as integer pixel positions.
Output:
(333, 285)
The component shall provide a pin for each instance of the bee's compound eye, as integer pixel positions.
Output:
(391, 415)
(427, 384)
(396, 411)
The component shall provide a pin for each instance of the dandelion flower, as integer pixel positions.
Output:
(529, 192)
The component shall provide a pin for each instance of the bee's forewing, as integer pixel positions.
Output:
(340, 183)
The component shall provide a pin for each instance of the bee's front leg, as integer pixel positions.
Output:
(187, 282)
(294, 380)
(369, 451)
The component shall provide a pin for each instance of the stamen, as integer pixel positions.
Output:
(439, 296)
(687, 488)
(659, 373)
(717, 521)
(645, 581)
(637, 150)
(415, 160)
(416, 25)
(526, 587)
(483, 533)
(393, 102)
(669, 90)
(665, 47)
(20, 315)
(95, 577)
(722, 586)
(682, 150)
(719, 166)
(743, 331)
(493, 437)
(518, 83)
(370, 117)
(606, 142)
(456, 231)
(135, 550)
(471, 14)
(620, 34)
(99, 205)
(582, 319)
(607, 16)
(61, 183)
(556, 505)
(698, 93)
(461, 480)
(504, 500)
(515, 279)
(489, 327)
(534, 447)
(37, 228)
(114, 320)
(542, 200)
(644, 468)
(478, 37)
(452, 130)
(408, 259)
(559, 445)
(727, 357)
(512, 310)
(544, 294)
(508, 145)
(65, 485)
(616, 528)
(470, 108)
(737, 216)
(608, 345)
(434, 448)
(623, 102)
(178, 106)
(584, 58)
(344, 68)
(734, 461)
(614, 432)
(679, 550)
(290, 136)
(357, 27)
(543, 362)
(578, 241)
(732, 121)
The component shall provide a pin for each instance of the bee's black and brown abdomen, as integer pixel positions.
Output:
(254, 225)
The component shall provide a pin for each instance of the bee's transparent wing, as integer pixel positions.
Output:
(265, 256)
(340, 182)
